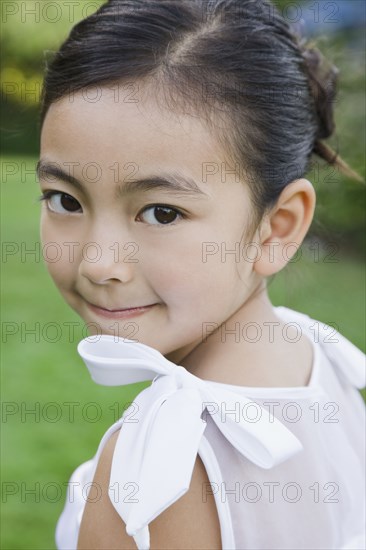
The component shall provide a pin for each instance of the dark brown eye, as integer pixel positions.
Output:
(164, 215)
(160, 215)
(69, 203)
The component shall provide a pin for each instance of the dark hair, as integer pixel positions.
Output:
(236, 63)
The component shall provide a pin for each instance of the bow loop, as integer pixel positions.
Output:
(114, 361)
(251, 429)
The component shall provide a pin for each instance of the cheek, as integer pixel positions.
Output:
(58, 258)
(191, 284)
(64, 272)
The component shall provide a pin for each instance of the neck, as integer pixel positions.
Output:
(249, 349)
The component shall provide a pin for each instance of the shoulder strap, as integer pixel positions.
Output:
(349, 361)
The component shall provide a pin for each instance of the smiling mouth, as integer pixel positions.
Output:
(121, 312)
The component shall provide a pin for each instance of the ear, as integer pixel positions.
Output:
(285, 226)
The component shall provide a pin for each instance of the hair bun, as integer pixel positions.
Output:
(323, 78)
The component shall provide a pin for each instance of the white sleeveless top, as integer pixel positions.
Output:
(286, 465)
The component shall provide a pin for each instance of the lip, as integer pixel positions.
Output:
(120, 313)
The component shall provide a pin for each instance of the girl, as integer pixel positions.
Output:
(175, 139)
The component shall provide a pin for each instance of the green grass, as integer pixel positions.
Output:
(38, 373)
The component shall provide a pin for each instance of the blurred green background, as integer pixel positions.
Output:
(41, 372)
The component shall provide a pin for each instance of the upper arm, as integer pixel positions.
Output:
(189, 523)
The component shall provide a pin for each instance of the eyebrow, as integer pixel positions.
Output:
(174, 182)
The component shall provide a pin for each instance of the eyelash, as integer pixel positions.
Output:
(47, 195)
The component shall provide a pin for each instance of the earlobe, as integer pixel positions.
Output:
(285, 227)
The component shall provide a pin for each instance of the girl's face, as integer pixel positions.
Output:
(142, 210)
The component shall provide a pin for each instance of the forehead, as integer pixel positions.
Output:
(125, 129)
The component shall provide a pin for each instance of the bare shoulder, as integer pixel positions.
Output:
(190, 523)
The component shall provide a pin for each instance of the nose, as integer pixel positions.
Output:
(102, 262)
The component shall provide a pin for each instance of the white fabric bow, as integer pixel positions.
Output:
(158, 443)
